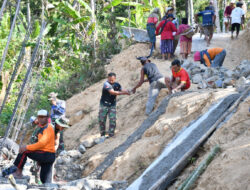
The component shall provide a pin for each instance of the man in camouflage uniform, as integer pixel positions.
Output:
(108, 104)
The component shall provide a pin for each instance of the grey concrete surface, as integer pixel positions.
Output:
(162, 172)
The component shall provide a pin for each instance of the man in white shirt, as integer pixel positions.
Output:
(237, 17)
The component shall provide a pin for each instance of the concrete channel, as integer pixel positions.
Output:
(162, 172)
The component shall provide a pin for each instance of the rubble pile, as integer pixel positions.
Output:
(66, 165)
(209, 77)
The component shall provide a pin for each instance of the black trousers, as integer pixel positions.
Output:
(237, 26)
(45, 160)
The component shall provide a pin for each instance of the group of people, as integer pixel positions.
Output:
(46, 141)
(235, 17)
(171, 32)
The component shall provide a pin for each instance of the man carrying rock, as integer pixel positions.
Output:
(43, 151)
(110, 90)
(58, 107)
(180, 79)
(213, 57)
(156, 80)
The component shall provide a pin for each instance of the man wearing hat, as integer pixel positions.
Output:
(213, 57)
(60, 124)
(156, 80)
(58, 107)
(43, 151)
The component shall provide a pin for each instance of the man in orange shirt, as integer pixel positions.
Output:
(180, 80)
(213, 57)
(43, 151)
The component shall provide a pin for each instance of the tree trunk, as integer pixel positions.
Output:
(187, 2)
(94, 22)
(217, 22)
(5, 81)
(174, 5)
(191, 11)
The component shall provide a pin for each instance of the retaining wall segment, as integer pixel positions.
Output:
(118, 151)
(162, 172)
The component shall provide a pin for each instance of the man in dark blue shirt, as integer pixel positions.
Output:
(108, 104)
(208, 20)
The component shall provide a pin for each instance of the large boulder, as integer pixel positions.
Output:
(243, 69)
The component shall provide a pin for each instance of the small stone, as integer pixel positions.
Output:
(63, 153)
(228, 82)
(212, 79)
(75, 154)
(82, 149)
(59, 161)
(195, 70)
(229, 74)
(89, 143)
(202, 85)
(196, 78)
(67, 160)
(100, 140)
(241, 84)
(218, 83)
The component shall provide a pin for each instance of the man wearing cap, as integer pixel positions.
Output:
(227, 15)
(61, 124)
(180, 80)
(58, 107)
(110, 90)
(208, 21)
(156, 80)
(43, 151)
(213, 57)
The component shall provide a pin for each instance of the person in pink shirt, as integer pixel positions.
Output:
(227, 15)
(151, 26)
(185, 42)
(167, 38)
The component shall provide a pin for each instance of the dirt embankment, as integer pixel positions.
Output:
(83, 112)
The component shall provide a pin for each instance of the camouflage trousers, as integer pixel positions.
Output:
(105, 111)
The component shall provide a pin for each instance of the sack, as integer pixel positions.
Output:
(189, 32)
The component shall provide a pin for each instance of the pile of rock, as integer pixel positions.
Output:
(66, 167)
(208, 77)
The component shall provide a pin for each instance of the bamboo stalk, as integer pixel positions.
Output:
(201, 168)
(10, 35)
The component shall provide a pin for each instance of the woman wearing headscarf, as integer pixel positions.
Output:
(151, 25)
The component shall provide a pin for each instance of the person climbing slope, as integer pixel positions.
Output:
(110, 90)
(213, 57)
(58, 107)
(156, 80)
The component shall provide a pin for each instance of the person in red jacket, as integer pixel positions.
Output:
(167, 38)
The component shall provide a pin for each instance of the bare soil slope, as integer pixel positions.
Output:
(82, 109)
